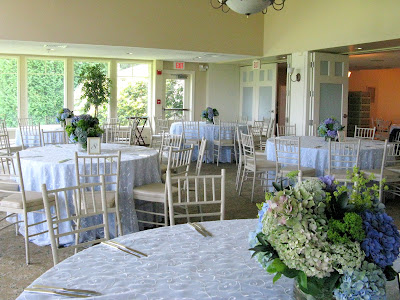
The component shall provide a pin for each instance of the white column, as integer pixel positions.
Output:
(112, 108)
(23, 88)
(158, 89)
(69, 84)
(298, 93)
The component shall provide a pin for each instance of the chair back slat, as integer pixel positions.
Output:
(286, 130)
(54, 137)
(364, 133)
(213, 195)
(179, 160)
(343, 155)
(287, 152)
(200, 157)
(71, 214)
(30, 133)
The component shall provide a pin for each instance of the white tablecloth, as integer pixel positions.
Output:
(139, 166)
(34, 142)
(181, 264)
(314, 153)
(210, 132)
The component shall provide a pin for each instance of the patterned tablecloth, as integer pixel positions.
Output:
(33, 142)
(55, 166)
(210, 132)
(314, 153)
(181, 264)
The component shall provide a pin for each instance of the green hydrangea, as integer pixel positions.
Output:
(346, 231)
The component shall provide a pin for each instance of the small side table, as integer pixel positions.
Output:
(140, 124)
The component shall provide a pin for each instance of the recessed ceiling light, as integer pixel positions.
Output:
(199, 57)
(283, 57)
(359, 48)
(130, 53)
(214, 55)
(51, 49)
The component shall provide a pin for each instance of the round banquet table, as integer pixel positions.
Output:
(314, 153)
(209, 132)
(35, 141)
(181, 264)
(54, 165)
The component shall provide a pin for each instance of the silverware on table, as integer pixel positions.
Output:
(53, 292)
(203, 229)
(198, 229)
(127, 248)
(122, 248)
(79, 291)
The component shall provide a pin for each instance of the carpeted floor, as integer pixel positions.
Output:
(15, 275)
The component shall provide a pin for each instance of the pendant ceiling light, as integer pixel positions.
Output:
(247, 7)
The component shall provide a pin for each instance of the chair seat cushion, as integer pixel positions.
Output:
(110, 199)
(228, 142)
(9, 185)
(306, 171)
(154, 192)
(163, 168)
(388, 174)
(34, 200)
(262, 164)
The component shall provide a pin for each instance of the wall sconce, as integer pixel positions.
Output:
(298, 76)
(348, 74)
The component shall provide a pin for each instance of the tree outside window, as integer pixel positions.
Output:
(9, 91)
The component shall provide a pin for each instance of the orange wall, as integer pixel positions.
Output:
(387, 91)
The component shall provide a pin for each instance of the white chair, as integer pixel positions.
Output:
(117, 135)
(5, 146)
(243, 119)
(253, 164)
(389, 172)
(200, 157)
(18, 201)
(168, 141)
(341, 135)
(205, 195)
(153, 193)
(364, 133)
(288, 158)
(343, 157)
(74, 213)
(257, 131)
(160, 126)
(286, 130)
(30, 133)
(397, 137)
(55, 137)
(191, 133)
(382, 129)
(89, 168)
(225, 138)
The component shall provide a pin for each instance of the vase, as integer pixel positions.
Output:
(327, 138)
(62, 123)
(300, 295)
(82, 147)
(209, 121)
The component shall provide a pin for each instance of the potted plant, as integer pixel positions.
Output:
(329, 128)
(63, 115)
(81, 128)
(209, 113)
(96, 87)
(336, 242)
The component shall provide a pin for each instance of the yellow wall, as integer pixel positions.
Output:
(318, 24)
(164, 24)
(387, 91)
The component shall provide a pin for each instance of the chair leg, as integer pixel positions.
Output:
(219, 151)
(252, 189)
(16, 225)
(238, 173)
(26, 237)
(241, 182)
(165, 213)
(118, 220)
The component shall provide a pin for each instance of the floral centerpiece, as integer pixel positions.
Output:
(334, 241)
(209, 114)
(329, 128)
(82, 127)
(64, 114)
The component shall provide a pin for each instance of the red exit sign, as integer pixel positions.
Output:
(179, 65)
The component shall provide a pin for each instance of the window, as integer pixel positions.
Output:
(78, 102)
(45, 88)
(9, 91)
(133, 86)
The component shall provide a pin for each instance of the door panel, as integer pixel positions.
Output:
(258, 92)
(329, 87)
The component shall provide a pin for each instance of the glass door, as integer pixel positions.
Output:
(177, 89)
(329, 87)
(258, 92)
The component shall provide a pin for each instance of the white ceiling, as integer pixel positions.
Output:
(79, 50)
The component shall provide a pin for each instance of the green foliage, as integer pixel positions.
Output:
(320, 288)
(8, 91)
(96, 87)
(347, 230)
(133, 101)
(173, 97)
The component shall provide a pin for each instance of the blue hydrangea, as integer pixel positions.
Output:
(332, 133)
(329, 181)
(382, 241)
(329, 121)
(367, 283)
(261, 213)
(64, 114)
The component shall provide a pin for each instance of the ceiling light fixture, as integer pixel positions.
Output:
(359, 48)
(129, 53)
(247, 7)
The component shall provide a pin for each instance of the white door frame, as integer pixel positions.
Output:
(317, 79)
(189, 88)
